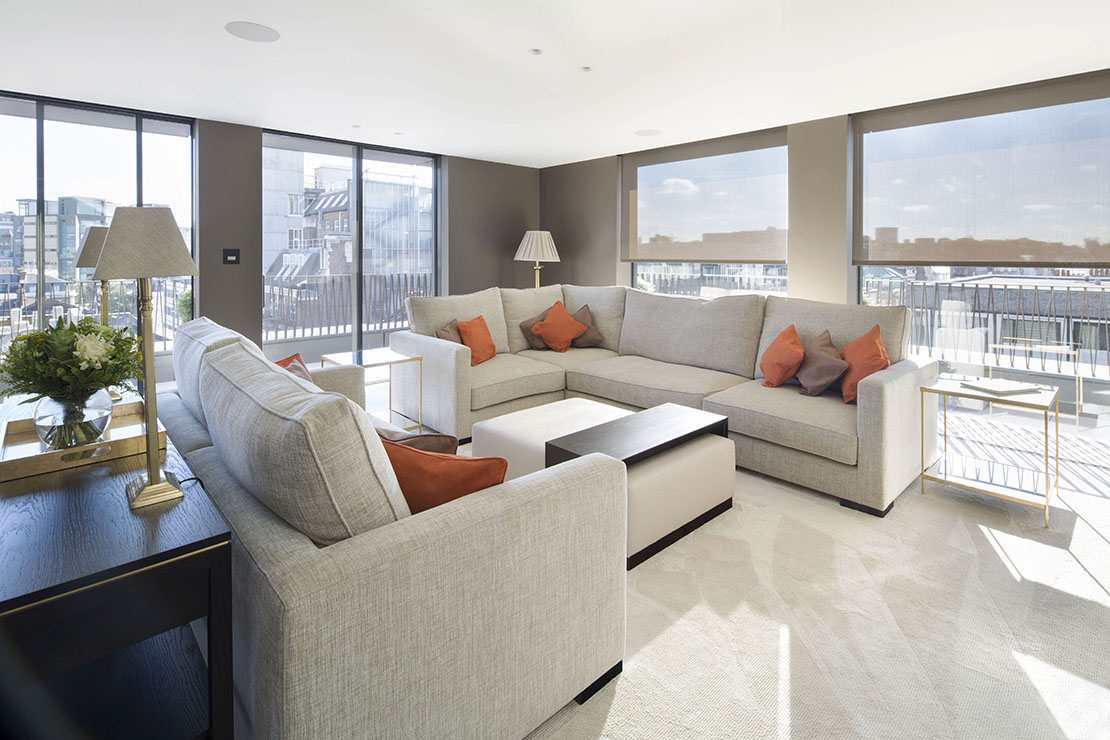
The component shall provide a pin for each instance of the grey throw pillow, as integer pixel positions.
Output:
(592, 337)
(526, 326)
(450, 332)
(822, 366)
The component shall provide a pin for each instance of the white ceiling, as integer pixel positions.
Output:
(454, 76)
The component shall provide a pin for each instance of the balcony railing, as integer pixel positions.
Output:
(708, 285)
(322, 305)
(172, 306)
(1038, 324)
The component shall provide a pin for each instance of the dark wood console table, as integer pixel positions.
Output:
(95, 607)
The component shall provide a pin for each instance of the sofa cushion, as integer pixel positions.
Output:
(820, 425)
(192, 340)
(606, 304)
(643, 382)
(570, 359)
(844, 323)
(183, 428)
(428, 313)
(506, 377)
(719, 334)
(312, 458)
(526, 303)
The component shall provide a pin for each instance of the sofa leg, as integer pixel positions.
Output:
(867, 509)
(599, 684)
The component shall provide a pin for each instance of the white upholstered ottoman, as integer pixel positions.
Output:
(677, 481)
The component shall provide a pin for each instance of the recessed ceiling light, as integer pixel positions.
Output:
(252, 31)
(398, 133)
(648, 132)
(585, 69)
(356, 125)
(535, 52)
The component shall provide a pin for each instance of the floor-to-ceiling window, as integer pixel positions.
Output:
(989, 216)
(63, 168)
(709, 218)
(348, 234)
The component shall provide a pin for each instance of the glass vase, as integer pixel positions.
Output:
(68, 423)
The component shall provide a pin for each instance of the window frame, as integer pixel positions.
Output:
(41, 103)
(359, 148)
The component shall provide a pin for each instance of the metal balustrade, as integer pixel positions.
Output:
(1056, 327)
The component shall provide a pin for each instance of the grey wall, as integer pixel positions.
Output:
(485, 209)
(579, 206)
(229, 216)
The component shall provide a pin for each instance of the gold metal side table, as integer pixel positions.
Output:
(1007, 481)
(386, 357)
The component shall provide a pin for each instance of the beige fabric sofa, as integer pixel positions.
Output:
(696, 352)
(353, 618)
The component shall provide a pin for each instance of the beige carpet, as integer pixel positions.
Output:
(956, 616)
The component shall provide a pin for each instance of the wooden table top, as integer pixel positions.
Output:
(63, 530)
(638, 436)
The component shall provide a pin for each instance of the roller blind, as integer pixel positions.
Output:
(720, 200)
(1013, 177)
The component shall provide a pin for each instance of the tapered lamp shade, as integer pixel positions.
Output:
(143, 243)
(89, 253)
(537, 246)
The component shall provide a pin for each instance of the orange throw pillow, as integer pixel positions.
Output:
(475, 334)
(428, 479)
(865, 355)
(559, 328)
(782, 359)
(296, 365)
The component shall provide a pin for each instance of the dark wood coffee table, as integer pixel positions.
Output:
(632, 439)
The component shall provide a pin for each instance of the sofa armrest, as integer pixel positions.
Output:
(446, 382)
(889, 419)
(350, 380)
(502, 605)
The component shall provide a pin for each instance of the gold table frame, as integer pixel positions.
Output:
(386, 357)
(1046, 400)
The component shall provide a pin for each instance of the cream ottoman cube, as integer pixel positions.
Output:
(670, 493)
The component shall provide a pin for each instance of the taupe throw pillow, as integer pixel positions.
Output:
(526, 326)
(592, 337)
(821, 366)
(450, 332)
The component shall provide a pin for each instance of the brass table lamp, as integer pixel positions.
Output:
(88, 255)
(145, 243)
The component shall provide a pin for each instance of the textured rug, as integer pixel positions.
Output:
(956, 616)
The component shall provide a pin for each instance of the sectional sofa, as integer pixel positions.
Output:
(691, 351)
(353, 617)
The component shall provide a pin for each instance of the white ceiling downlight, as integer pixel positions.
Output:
(252, 31)
(535, 52)
(648, 132)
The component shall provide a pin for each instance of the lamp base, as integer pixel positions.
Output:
(140, 494)
(537, 268)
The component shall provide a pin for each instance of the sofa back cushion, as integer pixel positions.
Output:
(311, 457)
(606, 304)
(718, 334)
(191, 342)
(844, 322)
(428, 313)
(526, 303)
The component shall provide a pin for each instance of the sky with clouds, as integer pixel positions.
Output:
(1040, 174)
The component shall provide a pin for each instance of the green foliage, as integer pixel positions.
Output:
(185, 305)
(54, 363)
